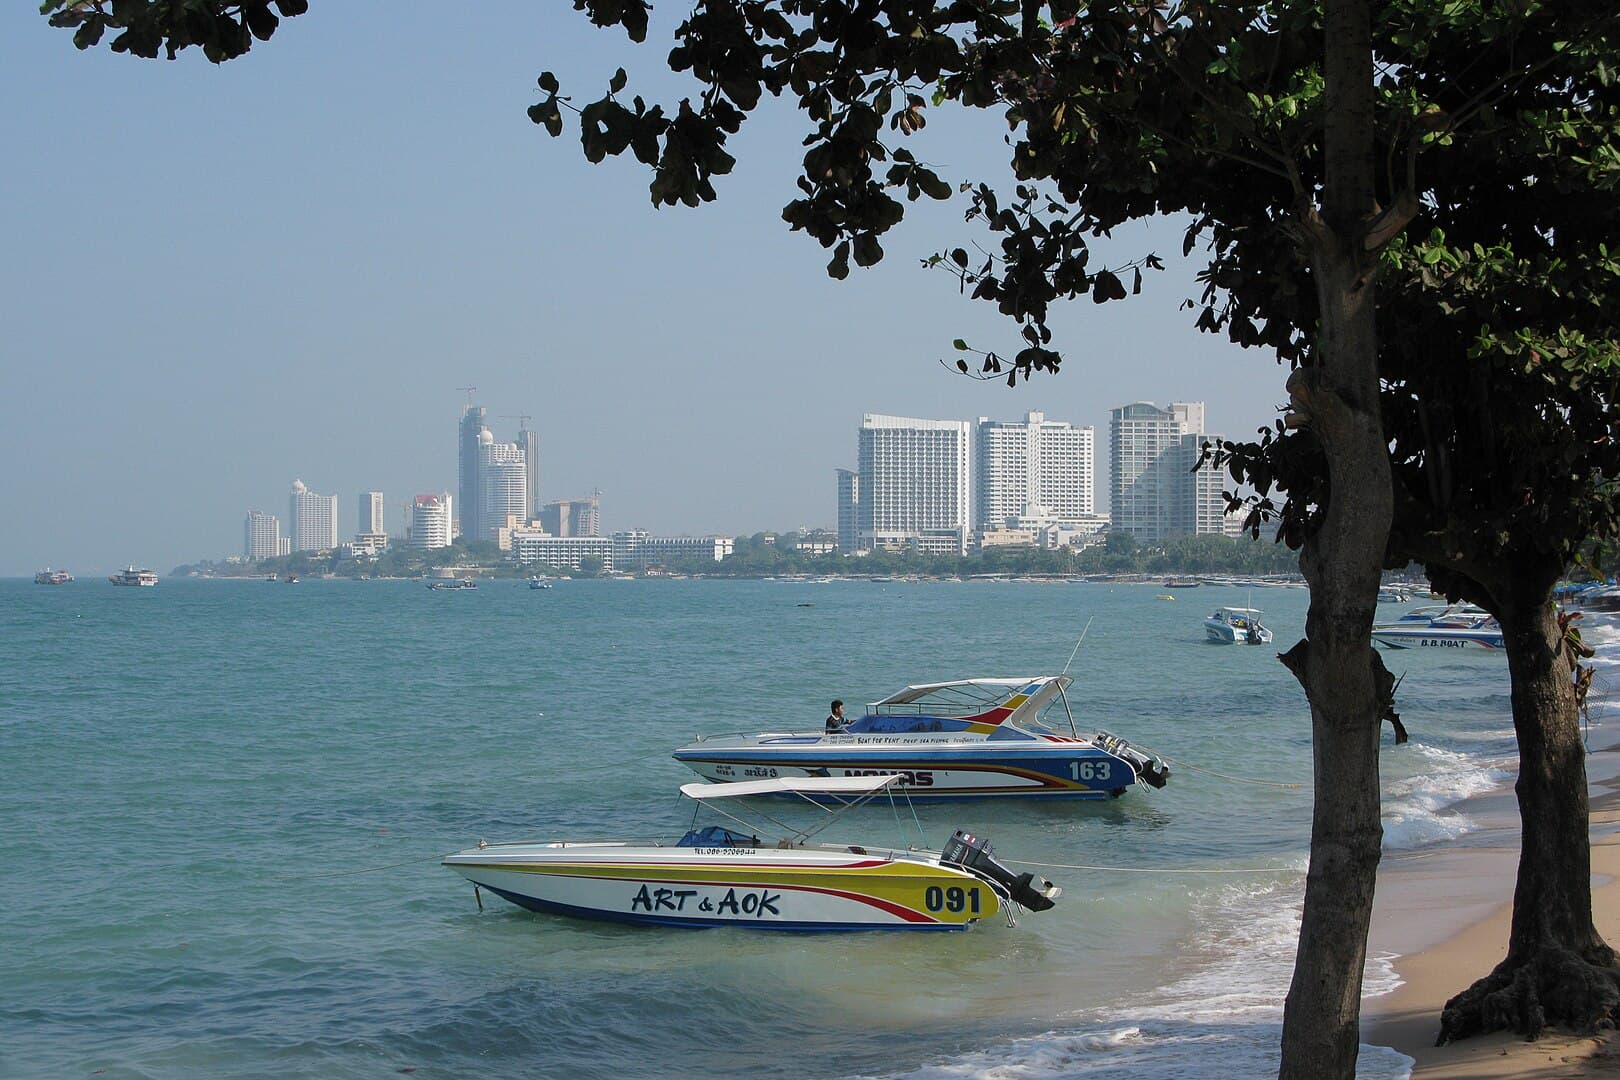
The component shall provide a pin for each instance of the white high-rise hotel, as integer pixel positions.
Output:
(1032, 468)
(312, 519)
(1157, 493)
(503, 486)
(915, 485)
(431, 521)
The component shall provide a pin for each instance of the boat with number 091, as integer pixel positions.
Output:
(720, 876)
(970, 738)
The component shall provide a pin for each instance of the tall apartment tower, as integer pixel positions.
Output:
(915, 484)
(312, 519)
(371, 514)
(572, 517)
(261, 536)
(467, 461)
(1156, 492)
(529, 442)
(1047, 465)
(502, 487)
(849, 502)
(431, 521)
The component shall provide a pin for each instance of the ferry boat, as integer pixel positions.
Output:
(970, 738)
(133, 576)
(48, 576)
(719, 876)
(464, 583)
(1237, 626)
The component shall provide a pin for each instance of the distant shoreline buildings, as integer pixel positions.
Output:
(948, 487)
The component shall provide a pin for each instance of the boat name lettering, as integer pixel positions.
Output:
(661, 899)
(759, 770)
(757, 904)
(907, 776)
(1443, 643)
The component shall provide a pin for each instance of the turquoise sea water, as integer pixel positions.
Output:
(224, 802)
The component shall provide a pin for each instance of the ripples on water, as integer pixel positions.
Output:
(225, 800)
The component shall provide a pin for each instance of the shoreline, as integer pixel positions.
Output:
(1444, 916)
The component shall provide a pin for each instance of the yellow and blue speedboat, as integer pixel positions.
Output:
(965, 739)
(719, 876)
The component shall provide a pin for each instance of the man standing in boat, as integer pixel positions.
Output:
(836, 722)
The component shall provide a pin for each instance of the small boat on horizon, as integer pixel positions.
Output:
(136, 577)
(969, 738)
(48, 576)
(463, 583)
(719, 876)
(539, 581)
(1237, 626)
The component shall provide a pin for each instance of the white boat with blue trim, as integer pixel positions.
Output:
(970, 738)
(720, 876)
(1456, 626)
(1237, 626)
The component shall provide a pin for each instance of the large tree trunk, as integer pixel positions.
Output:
(1342, 559)
(1558, 969)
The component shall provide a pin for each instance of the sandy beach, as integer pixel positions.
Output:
(1446, 915)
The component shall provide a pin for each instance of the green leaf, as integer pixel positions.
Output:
(960, 345)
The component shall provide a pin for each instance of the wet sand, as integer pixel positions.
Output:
(1446, 913)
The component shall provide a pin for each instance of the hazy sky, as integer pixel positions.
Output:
(218, 279)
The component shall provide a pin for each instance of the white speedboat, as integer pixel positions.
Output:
(133, 576)
(720, 876)
(539, 582)
(1237, 626)
(1454, 627)
(965, 739)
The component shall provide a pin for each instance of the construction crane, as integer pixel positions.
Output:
(469, 390)
(522, 419)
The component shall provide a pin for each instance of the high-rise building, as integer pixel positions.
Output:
(371, 513)
(431, 521)
(261, 536)
(572, 517)
(502, 487)
(467, 461)
(915, 484)
(1033, 464)
(529, 442)
(1157, 493)
(312, 519)
(849, 501)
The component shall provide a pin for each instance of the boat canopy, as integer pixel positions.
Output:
(963, 697)
(1239, 610)
(797, 785)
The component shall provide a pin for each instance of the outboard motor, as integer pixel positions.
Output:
(973, 855)
(1149, 769)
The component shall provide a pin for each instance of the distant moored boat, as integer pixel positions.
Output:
(133, 576)
(48, 576)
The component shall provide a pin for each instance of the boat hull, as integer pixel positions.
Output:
(1071, 770)
(755, 888)
(1435, 639)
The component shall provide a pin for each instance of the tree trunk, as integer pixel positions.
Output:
(1342, 560)
(1558, 969)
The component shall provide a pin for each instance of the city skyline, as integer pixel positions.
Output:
(719, 406)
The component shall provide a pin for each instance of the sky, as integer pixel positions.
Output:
(219, 279)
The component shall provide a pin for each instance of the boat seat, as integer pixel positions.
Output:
(716, 836)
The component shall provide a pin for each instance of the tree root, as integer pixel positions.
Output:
(1553, 986)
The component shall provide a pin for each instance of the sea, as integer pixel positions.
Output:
(224, 802)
